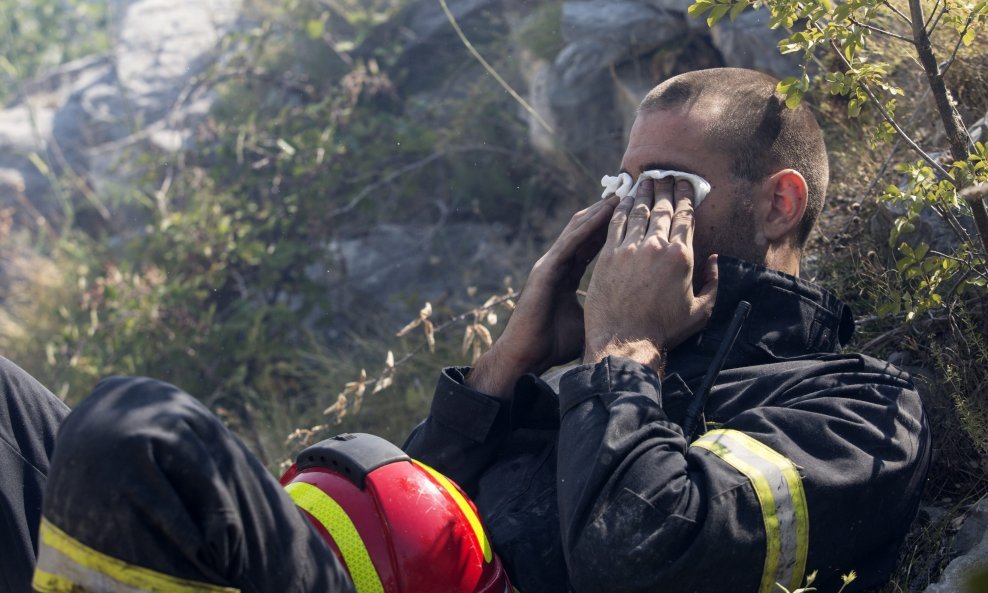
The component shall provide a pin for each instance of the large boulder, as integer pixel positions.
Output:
(748, 43)
(614, 52)
(45, 132)
(77, 121)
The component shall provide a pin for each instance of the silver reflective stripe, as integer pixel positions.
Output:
(781, 497)
(57, 573)
(66, 565)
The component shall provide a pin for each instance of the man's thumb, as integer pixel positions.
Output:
(711, 276)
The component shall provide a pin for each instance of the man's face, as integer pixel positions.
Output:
(675, 140)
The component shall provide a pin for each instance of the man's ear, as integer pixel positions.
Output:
(785, 210)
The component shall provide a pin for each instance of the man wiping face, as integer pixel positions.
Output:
(764, 164)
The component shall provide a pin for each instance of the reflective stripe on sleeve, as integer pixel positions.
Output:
(465, 508)
(781, 497)
(66, 565)
(339, 525)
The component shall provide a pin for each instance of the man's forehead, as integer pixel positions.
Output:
(673, 139)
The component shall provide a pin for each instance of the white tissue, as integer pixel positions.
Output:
(623, 185)
(620, 185)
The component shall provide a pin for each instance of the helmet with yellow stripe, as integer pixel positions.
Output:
(398, 525)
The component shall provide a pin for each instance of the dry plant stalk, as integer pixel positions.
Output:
(476, 339)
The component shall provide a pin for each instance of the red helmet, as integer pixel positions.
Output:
(398, 525)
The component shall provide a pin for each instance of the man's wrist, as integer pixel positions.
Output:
(644, 352)
(495, 374)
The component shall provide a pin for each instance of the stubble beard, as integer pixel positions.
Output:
(738, 241)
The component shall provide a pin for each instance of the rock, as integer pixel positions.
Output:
(429, 49)
(634, 24)
(79, 118)
(380, 265)
(930, 514)
(748, 43)
(51, 121)
(958, 574)
(582, 92)
(974, 528)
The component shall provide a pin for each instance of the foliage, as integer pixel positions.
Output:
(928, 278)
(37, 34)
(226, 285)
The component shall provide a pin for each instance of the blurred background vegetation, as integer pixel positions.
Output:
(226, 266)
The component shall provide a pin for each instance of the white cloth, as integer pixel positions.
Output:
(623, 185)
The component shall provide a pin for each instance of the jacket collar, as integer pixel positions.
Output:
(789, 318)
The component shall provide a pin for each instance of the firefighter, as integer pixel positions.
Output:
(807, 458)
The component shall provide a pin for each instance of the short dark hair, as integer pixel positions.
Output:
(756, 129)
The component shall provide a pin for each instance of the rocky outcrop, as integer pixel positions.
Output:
(971, 543)
(77, 121)
(380, 266)
(81, 118)
(616, 51)
(609, 55)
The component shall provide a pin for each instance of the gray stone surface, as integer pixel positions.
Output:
(379, 266)
(51, 120)
(80, 117)
(973, 530)
(749, 43)
(957, 574)
(616, 51)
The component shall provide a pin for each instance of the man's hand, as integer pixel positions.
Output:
(546, 327)
(640, 301)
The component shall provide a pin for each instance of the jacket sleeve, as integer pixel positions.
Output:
(462, 433)
(825, 475)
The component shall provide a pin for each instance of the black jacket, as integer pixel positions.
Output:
(815, 460)
(29, 418)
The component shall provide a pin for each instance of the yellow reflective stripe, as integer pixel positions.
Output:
(46, 582)
(782, 499)
(59, 552)
(465, 508)
(798, 497)
(767, 503)
(339, 525)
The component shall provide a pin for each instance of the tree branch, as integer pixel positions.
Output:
(936, 21)
(898, 12)
(957, 46)
(888, 117)
(882, 31)
(936, 5)
(953, 125)
(898, 141)
(956, 132)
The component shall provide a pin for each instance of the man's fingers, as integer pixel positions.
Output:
(683, 222)
(619, 219)
(639, 214)
(662, 211)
